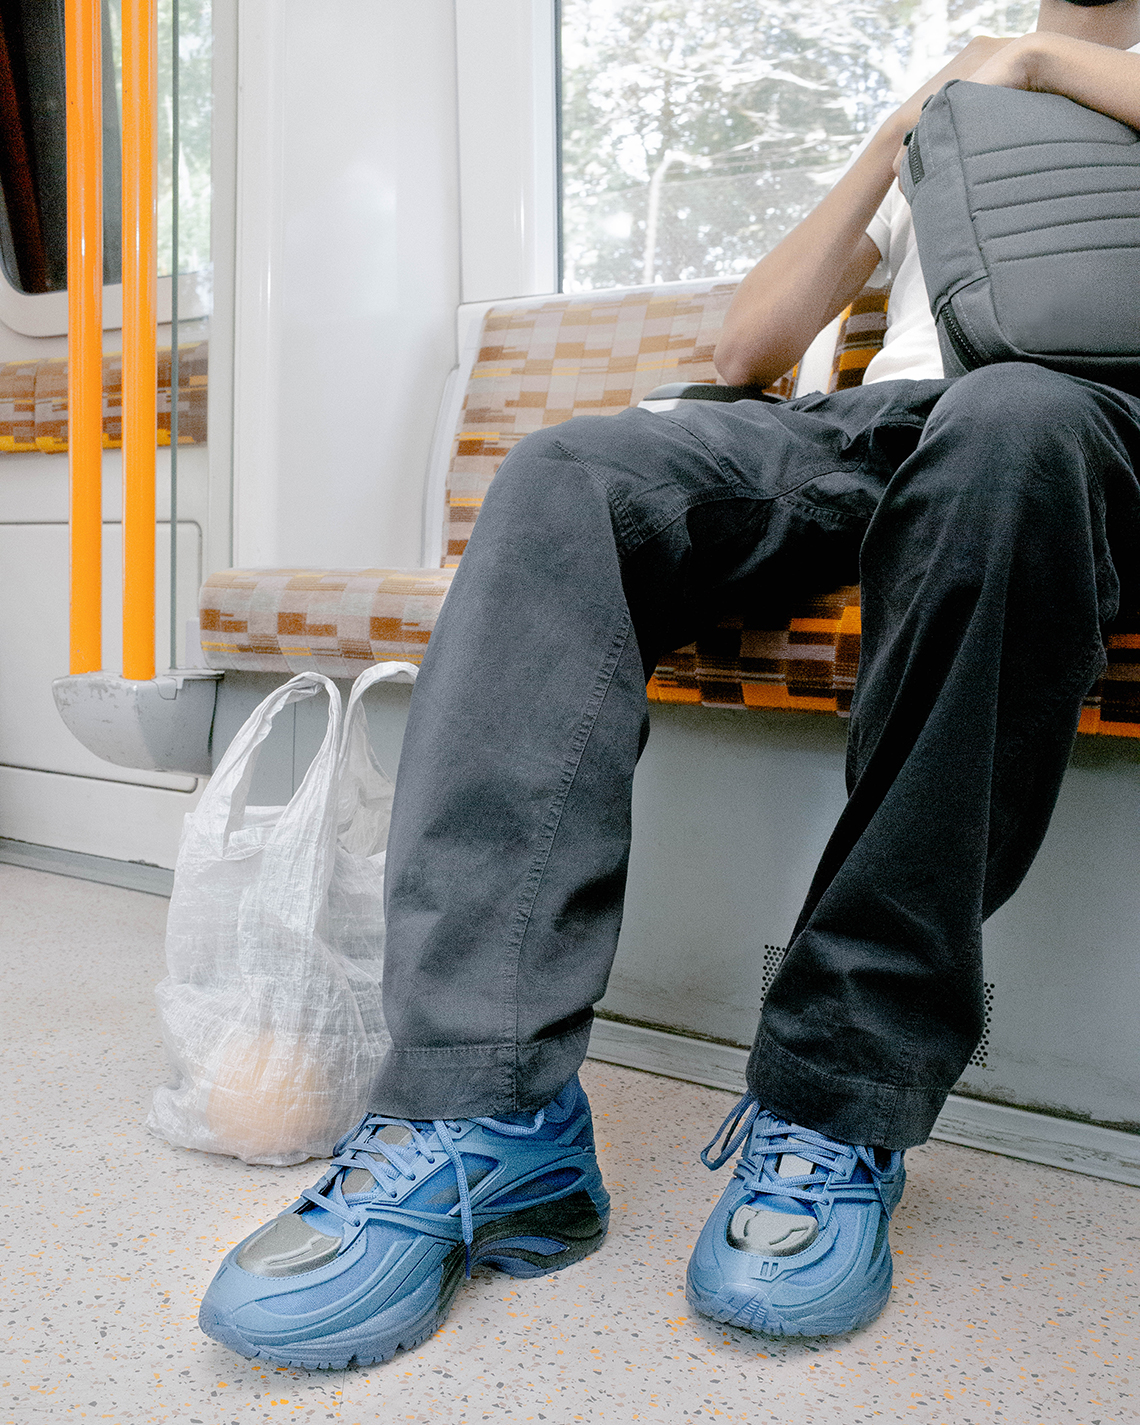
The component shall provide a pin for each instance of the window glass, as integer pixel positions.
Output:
(33, 213)
(195, 107)
(695, 133)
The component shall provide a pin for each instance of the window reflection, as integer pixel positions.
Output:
(33, 205)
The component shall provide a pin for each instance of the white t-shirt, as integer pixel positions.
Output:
(910, 348)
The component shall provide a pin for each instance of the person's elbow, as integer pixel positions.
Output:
(744, 361)
(731, 369)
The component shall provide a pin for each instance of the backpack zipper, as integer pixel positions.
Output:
(966, 352)
(914, 158)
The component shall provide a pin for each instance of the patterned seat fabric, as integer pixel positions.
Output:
(335, 621)
(540, 363)
(33, 401)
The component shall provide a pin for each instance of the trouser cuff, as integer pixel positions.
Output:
(477, 1080)
(848, 1109)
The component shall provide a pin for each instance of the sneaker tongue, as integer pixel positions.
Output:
(788, 1165)
(358, 1180)
(394, 1133)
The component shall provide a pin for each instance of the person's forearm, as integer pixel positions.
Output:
(793, 292)
(1097, 76)
(824, 262)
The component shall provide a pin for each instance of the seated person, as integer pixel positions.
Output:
(990, 520)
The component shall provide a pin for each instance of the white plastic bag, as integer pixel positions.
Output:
(271, 1010)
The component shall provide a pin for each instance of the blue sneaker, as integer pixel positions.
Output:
(797, 1244)
(367, 1262)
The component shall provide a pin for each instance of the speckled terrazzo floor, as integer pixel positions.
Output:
(1016, 1295)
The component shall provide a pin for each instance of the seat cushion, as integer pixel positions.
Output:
(337, 621)
(331, 621)
(539, 363)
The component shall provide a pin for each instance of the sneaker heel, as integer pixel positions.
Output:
(536, 1242)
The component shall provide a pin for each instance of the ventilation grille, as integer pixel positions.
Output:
(773, 959)
(978, 1057)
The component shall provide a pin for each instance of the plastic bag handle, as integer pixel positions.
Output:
(354, 716)
(361, 778)
(378, 673)
(223, 802)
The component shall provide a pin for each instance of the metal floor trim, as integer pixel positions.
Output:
(1014, 1132)
(131, 875)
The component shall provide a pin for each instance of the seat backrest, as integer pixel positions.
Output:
(33, 401)
(542, 360)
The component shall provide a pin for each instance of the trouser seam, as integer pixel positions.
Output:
(529, 893)
(619, 511)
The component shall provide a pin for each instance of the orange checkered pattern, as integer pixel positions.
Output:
(33, 401)
(860, 336)
(334, 622)
(805, 664)
(808, 664)
(539, 364)
(18, 405)
(1114, 704)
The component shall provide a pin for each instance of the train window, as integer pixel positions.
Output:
(33, 214)
(33, 233)
(694, 135)
(195, 110)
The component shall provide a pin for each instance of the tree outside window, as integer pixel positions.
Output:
(696, 133)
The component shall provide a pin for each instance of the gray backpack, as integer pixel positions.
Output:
(1027, 215)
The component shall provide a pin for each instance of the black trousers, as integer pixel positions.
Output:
(990, 521)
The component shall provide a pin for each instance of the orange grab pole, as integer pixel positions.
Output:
(84, 63)
(140, 378)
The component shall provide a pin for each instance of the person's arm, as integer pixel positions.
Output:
(808, 278)
(825, 261)
(1096, 76)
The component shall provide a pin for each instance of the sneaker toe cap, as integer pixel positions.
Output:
(838, 1281)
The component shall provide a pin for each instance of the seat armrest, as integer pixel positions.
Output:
(665, 398)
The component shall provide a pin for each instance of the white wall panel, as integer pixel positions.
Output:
(115, 819)
(347, 275)
(508, 163)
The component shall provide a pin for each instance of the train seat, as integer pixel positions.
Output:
(533, 363)
(730, 813)
(33, 401)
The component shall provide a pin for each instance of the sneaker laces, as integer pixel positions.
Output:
(771, 1137)
(391, 1163)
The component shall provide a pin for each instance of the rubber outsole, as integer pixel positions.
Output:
(317, 1359)
(749, 1312)
(577, 1227)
